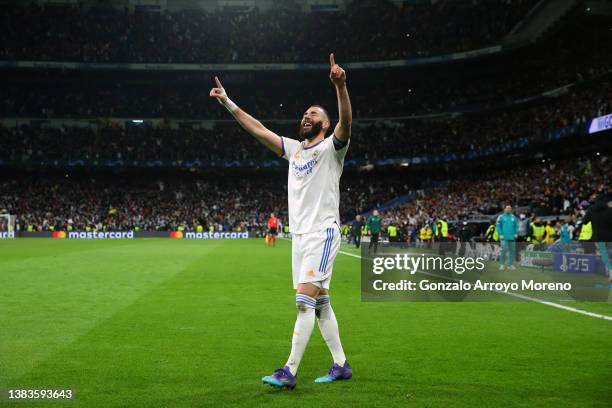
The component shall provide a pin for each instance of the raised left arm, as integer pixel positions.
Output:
(338, 78)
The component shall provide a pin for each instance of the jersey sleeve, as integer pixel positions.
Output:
(340, 147)
(289, 146)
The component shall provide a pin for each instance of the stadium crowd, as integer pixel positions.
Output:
(434, 94)
(575, 55)
(367, 30)
(46, 203)
(552, 188)
(544, 197)
(156, 205)
(227, 141)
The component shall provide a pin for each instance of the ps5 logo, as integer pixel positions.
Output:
(574, 264)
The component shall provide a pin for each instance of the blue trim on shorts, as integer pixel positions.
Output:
(326, 250)
(331, 241)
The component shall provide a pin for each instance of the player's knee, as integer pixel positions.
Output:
(304, 303)
(322, 307)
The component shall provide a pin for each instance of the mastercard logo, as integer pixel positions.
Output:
(58, 234)
(176, 234)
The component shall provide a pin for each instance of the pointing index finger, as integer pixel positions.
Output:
(331, 59)
(218, 83)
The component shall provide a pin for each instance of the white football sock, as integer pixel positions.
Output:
(303, 330)
(329, 329)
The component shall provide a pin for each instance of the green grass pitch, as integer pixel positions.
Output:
(171, 323)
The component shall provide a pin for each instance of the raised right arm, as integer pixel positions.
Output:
(265, 136)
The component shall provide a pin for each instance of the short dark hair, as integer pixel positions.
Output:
(326, 114)
(323, 109)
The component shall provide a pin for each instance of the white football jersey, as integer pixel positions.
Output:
(313, 186)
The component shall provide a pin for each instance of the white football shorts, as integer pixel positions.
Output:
(313, 255)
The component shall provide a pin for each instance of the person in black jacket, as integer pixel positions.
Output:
(600, 215)
(356, 226)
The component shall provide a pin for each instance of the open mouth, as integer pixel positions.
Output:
(307, 125)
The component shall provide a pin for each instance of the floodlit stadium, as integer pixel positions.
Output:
(398, 203)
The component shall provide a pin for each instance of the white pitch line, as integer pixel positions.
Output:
(518, 295)
(349, 254)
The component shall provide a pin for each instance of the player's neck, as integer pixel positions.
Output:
(314, 140)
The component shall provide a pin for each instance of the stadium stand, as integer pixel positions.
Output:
(575, 56)
(408, 138)
(559, 188)
(279, 35)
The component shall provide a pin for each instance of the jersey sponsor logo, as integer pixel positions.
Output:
(301, 170)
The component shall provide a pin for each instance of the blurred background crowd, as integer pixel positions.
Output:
(370, 30)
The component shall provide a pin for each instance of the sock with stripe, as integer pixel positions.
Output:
(304, 325)
(329, 329)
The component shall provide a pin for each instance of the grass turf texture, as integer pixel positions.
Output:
(171, 323)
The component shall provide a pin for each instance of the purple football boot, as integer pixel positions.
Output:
(282, 378)
(336, 373)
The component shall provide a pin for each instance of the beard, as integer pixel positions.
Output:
(314, 130)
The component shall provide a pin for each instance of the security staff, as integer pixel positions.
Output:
(586, 231)
(427, 235)
(441, 229)
(549, 233)
(538, 231)
(491, 234)
(392, 232)
(423, 233)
